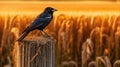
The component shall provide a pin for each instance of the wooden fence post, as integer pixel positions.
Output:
(37, 52)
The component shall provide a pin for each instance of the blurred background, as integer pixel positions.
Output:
(84, 30)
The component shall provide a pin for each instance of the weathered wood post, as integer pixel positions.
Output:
(37, 52)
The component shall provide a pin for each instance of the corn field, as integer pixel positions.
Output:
(82, 39)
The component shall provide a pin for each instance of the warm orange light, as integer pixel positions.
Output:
(61, 6)
(106, 51)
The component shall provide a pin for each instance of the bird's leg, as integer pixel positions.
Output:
(45, 33)
(41, 32)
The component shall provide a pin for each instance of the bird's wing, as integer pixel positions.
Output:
(37, 23)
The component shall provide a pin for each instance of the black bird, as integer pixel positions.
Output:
(40, 22)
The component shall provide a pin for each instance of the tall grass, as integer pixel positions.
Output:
(71, 31)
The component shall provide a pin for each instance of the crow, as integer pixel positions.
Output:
(40, 22)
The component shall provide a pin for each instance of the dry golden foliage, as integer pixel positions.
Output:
(70, 30)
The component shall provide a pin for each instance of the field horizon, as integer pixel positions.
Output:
(61, 5)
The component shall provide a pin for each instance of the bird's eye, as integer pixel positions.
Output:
(52, 10)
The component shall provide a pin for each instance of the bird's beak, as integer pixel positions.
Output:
(55, 10)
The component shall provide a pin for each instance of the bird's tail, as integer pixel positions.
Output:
(23, 36)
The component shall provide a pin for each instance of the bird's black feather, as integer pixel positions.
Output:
(40, 22)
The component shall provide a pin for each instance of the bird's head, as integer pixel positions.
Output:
(50, 10)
